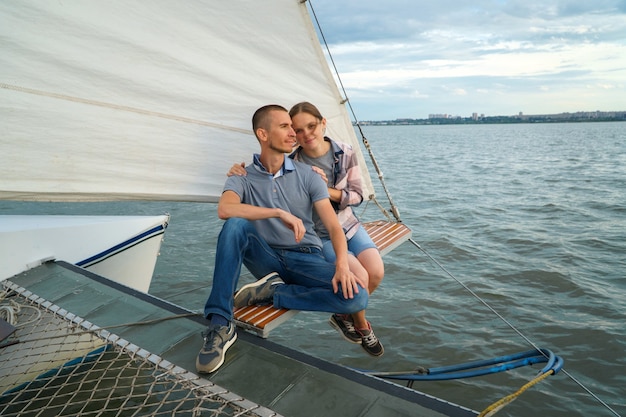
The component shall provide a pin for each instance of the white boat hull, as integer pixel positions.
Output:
(121, 248)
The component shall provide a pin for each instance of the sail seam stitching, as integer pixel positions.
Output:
(121, 107)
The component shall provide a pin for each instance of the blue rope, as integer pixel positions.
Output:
(479, 368)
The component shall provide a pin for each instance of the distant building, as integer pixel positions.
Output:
(445, 119)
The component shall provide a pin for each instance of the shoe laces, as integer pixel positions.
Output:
(212, 335)
(348, 323)
(370, 338)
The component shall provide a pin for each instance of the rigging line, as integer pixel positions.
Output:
(576, 381)
(122, 108)
(394, 208)
(588, 391)
(332, 61)
(417, 245)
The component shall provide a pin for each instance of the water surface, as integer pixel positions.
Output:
(531, 218)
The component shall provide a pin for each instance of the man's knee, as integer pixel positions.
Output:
(235, 227)
(236, 223)
(359, 302)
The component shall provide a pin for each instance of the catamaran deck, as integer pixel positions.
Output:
(144, 368)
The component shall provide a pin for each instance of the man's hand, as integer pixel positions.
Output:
(293, 223)
(348, 281)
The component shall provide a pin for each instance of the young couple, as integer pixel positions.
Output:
(292, 226)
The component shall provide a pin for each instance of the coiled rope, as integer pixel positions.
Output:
(498, 405)
(10, 309)
(553, 362)
(479, 368)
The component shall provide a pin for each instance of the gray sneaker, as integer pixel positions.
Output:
(217, 340)
(260, 292)
(345, 326)
(370, 342)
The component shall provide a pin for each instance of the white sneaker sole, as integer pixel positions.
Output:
(221, 362)
(254, 284)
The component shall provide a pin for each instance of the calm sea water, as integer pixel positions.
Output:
(531, 218)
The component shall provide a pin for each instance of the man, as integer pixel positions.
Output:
(269, 229)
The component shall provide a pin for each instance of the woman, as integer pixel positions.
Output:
(337, 164)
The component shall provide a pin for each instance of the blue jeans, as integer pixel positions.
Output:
(305, 270)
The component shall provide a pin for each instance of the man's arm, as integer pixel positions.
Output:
(349, 282)
(230, 205)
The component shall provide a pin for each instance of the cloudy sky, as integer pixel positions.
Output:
(411, 58)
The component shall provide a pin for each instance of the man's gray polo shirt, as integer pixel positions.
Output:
(294, 189)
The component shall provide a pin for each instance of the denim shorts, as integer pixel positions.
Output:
(357, 244)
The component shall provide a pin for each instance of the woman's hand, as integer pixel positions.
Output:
(321, 173)
(237, 169)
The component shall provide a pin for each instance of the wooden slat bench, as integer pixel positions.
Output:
(387, 235)
(263, 319)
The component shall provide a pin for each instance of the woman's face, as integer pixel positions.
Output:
(309, 130)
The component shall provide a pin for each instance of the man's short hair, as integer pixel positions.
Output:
(260, 119)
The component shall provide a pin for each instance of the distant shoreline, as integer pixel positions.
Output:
(579, 117)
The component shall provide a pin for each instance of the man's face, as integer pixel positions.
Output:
(281, 136)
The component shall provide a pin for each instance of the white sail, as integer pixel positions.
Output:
(148, 100)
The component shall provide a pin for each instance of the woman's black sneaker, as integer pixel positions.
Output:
(345, 326)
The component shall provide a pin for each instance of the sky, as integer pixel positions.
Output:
(411, 58)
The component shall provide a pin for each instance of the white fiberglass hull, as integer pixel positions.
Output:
(121, 248)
